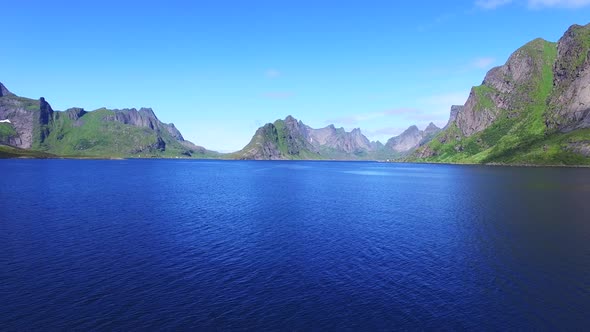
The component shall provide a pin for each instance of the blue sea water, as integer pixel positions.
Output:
(226, 245)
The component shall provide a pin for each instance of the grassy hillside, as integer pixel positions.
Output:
(6, 131)
(92, 135)
(517, 136)
(12, 152)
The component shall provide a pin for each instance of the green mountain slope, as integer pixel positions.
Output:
(33, 124)
(511, 117)
(290, 139)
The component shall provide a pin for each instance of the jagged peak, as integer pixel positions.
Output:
(124, 109)
(148, 111)
(575, 27)
(4, 91)
(290, 118)
(455, 110)
(75, 113)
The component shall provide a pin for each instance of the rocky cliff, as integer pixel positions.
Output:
(569, 103)
(292, 139)
(411, 139)
(533, 109)
(339, 139)
(26, 118)
(4, 91)
(33, 124)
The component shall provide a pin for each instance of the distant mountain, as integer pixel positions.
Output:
(292, 139)
(34, 125)
(411, 139)
(535, 109)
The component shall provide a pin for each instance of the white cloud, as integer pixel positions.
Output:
(482, 63)
(491, 4)
(446, 100)
(533, 4)
(537, 4)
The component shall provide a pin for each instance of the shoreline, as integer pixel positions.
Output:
(292, 160)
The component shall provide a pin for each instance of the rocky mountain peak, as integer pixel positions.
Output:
(412, 138)
(455, 109)
(290, 119)
(4, 91)
(75, 113)
(148, 112)
(431, 128)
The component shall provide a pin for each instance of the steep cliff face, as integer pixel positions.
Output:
(506, 89)
(25, 119)
(569, 104)
(455, 110)
(534, 109)
(264, 145)
(292, 139)
(144, 118)
(33, 124)
(405, 141)
(45, 119)
(4, 91)
(339, 139)
(281, 140)
(411, 139)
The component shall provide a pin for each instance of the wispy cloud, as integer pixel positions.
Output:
(491, 4)
(447, 99)
(466, 66)
(272, 73)
(533, 4)
(482, 63)
(537, 4)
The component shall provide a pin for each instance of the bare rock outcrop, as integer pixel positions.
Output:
(569, 106)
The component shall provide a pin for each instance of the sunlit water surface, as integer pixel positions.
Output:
(166, 244)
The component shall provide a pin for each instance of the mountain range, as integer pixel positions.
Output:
(534, 109)
(32, 124)
(292, 139)
(29, 126)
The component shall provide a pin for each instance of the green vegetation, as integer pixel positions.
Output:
(26, 103)
(91, 135)
(582, 38)
(484, 101)
(6, 132)
(517, 136)
(12, 152)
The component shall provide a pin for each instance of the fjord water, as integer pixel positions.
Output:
(152, 244)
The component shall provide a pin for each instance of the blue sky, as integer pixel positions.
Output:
(220, 69)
